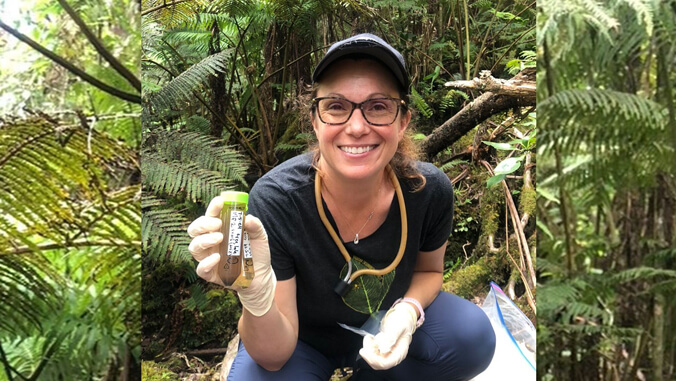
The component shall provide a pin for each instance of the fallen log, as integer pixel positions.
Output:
(514, 93)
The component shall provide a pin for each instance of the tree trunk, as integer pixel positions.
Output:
(657, 354)
(217, 86)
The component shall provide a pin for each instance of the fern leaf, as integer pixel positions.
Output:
(164, 233)
(205, 151)
(174, 178)
(180, 89)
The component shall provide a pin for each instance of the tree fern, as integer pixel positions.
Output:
(645, 273)
(180, 89)
(69, 250)
(164, 231)
(172, 15)
(205, 151)
(173, 178)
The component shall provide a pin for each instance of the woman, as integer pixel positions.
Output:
(358, 201)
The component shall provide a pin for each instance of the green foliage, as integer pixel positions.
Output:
(450, 100)
(510, 164)
(163, 231)
(419, 104)
(69, 237)
(606, 151)
(251, 63)
(190, 165)
(150, 371)
(181, 88)
(527, 60)
(73, 250)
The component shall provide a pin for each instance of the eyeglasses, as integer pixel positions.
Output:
(376, 111)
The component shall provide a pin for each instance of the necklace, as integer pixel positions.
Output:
(342, 287)
(356, 235)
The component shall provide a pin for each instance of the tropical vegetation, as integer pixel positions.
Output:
(70, 259)
(225, 99)
(607, 190)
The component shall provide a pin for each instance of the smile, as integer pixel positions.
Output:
(357, 150)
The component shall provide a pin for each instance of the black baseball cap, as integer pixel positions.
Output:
(369, 45)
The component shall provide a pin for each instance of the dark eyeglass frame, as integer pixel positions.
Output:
(400, 103)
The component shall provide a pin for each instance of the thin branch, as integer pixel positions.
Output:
(483, 42)
(433, 60)
(53, 347)
(207, 352)
(529, 282)
(160, 66)
(119, 68)
(70, 245)
(26, 142)
(165, 5)
(70, 67)
(516, 16)
(510, 47)
(5, 363)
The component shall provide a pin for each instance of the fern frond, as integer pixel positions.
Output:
(164, 232)
(180, 89)
(450, 99)
(561, 20)
(55, 197)
(198, 298)
(205, 151)
(175, 178)
(173, 15)
(198, 39)
(643, 273)
(555, 295)
(196, 123)
(607, 106)
(451, 164)
(25, 271)
(419, 103)
(644, 13)
(46, 174)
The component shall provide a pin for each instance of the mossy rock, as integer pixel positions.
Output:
(469, 281)
(151, 371)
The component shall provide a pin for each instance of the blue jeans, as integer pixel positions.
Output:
(455, 343)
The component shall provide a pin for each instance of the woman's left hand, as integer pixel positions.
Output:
(390, 346)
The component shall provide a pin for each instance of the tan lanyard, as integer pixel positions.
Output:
(339, 242)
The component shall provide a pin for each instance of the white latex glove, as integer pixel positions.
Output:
(258, 297)
(390, 347)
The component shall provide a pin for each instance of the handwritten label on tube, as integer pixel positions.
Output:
(246, 247)
(235, 236)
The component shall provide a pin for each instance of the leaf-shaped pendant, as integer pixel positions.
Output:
(366, 293)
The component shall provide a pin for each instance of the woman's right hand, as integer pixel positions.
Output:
(258, 297)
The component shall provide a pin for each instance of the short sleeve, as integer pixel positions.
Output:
(439, 215)
(271, 204)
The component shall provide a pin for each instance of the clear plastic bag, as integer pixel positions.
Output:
(514, 357)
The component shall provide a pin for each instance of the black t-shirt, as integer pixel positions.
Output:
(301, 246)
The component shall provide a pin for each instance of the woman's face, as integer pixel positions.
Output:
(356, 149)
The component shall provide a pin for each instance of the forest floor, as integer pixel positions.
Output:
(189, 367)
